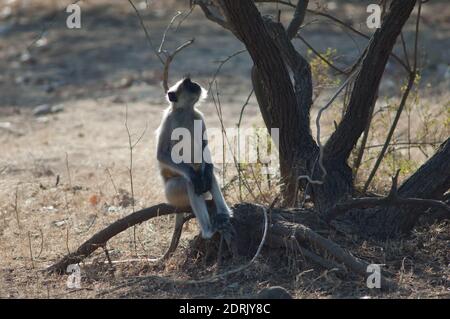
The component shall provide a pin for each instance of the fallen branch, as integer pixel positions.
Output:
(101, 238)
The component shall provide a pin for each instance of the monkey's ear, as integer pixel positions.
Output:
(172, 96)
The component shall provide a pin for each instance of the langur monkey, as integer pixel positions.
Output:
(188, 184)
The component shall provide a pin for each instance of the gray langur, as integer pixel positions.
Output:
(189, 183)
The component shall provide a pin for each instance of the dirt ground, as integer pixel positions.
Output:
(65, 175)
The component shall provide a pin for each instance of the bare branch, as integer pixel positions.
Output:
(30, 249)
(405, 51)
(319, 143)
(169, 60)
(340, 22)
(391, 131)
(221, 64)
(147, 35)
(45, 28)
(298, 18)
(163, 40)
(241, 114)
(211, 15)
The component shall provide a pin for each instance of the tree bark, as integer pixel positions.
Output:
(338, 184)
(430, 181)
(286, 105)
(280, 105)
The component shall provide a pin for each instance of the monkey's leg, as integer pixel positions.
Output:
(222, 207)
(222, 222)
(200, 210)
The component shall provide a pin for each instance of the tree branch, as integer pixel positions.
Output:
(297, 19)
(365, 89)
(101, 238)
(169, 60)
(411, 80)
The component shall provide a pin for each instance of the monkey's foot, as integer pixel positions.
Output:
(223, 226)
(221, 222)
(207, 234)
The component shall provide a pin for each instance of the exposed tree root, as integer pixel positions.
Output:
(392, 200)
(248, 223)
(176, 236)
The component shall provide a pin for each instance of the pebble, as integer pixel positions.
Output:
(45, 109)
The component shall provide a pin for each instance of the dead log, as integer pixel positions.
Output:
(101, 238)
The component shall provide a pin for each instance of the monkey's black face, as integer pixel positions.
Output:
(186, 90)
(191, 87)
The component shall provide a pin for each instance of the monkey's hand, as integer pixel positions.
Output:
(202, 181)
(196, 179)
(221, 222)
(207, 177)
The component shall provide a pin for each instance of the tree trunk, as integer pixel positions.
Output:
(339, 182)
(430, 181)
(280, 107)
(287, 106)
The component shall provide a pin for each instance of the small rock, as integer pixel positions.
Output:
(5, 12)
(5, 125)
(60, 223)
(9, 128)
(42, 119)
(112, 209)
(332, 5)
(41, 42)
(49, 209)
(22, 79)
(42, 109)
(124, 83)
(45, 109)
(26, 57)
(143, 5)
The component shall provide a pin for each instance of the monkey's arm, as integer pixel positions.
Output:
(207, 167)
(183, 169)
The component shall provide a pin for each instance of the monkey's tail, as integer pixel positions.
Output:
(180, 219)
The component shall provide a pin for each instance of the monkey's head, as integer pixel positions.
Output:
(185, 93)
